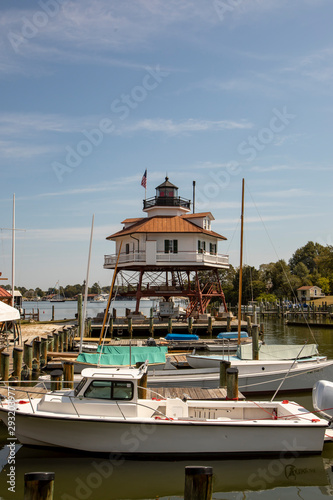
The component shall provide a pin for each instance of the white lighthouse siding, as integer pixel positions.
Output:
(149, 249)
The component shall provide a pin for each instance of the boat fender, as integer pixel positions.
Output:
(285, 402)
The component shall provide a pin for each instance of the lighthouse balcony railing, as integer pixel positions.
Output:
(161, 201)
(162, 257)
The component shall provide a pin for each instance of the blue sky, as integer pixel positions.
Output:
(93, 92)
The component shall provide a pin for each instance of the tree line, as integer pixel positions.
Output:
(311, 264)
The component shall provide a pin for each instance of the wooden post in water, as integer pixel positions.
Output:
(130, 327)
(224, 365)
(151, 326)
(61, 340)
(190, 324)
(248, 321)
(36, 351)
(68, 367)
(65, 337)
(43, 351)
(142, 390)
(56, 342)
(255, 342)
(38, 485)
(52, 315)
(27, 358)
(210, 326)
(232, 383)
(170, 325)
(198, 483)
(111, 327)
(4, 365)
(50, 343)
(17, 362)
(228, 323)
(56, 380)
(79, 313)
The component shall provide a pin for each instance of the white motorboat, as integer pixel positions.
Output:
(105, 415)
(282, 371)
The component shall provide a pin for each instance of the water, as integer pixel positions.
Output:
(68, 309)
(82, 477)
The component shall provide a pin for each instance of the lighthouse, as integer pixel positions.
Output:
(164, 253)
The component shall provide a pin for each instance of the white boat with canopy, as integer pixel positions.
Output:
(104, 414)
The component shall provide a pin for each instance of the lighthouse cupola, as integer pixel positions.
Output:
(166, 201)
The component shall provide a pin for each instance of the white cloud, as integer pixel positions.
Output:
(185, 126)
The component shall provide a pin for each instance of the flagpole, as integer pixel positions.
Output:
(146, 186)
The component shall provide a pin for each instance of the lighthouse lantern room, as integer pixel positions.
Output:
(163, 253)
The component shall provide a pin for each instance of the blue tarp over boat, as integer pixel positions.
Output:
(232, 335)
(181, 336)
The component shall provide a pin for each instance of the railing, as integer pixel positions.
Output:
(188, 257)
(158, 201)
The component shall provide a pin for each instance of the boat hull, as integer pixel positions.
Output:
(300, 378)
(170, 438)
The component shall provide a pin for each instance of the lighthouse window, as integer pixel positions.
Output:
(170, 246)
(212, 248)
(201, 246)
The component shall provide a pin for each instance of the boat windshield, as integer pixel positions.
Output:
(108, 389)
(79, 386)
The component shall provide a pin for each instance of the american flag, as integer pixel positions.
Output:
(144, 180)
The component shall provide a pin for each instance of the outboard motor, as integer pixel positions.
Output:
(322, 398)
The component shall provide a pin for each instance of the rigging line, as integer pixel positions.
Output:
(283, 270)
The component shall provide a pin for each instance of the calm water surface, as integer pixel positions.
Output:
(83, 477)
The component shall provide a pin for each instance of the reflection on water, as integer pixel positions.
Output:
(83, 477)
(79, 476)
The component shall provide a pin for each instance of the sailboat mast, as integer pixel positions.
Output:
(13, 252)
(86, 287)
(241, 268)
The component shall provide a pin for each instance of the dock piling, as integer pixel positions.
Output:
(224, 365)
(4, 365)
(56, 380)
(255, 342)
(17, 362)
(232, 383)
(38, 485)
(68, 367)
(198, 483)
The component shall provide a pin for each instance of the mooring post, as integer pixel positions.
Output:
(17, 362)
(224, 365)
(61, 341)
(142, 389)
(36, 351)
(38, 485)
(27, 358)
(56, 380)
(228, 323)
(198, 483)
(4, 368)
(232, 383)
(130, 327)
(56, 341)
(111, 328)
(50, 343)
(68, 367)
(190, 324)
(65, 337)
(151, 326)
(43, 351)
(255, 342)
(210, 326)
(170, 325)
(52, 314)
